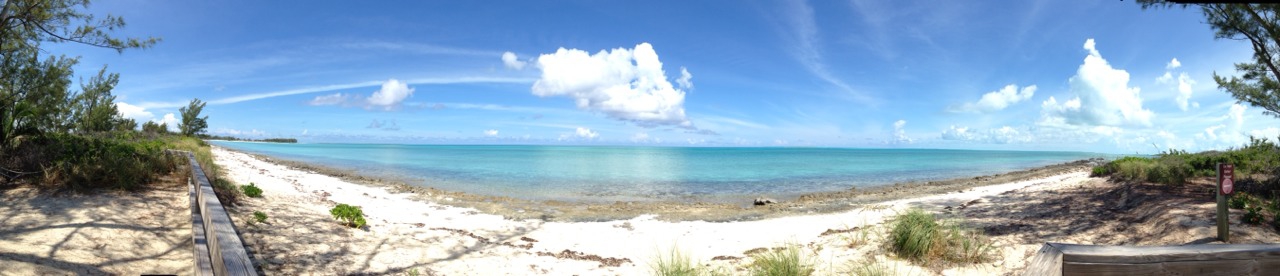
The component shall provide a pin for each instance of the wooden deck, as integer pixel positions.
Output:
(1202, 259)
(218, 248)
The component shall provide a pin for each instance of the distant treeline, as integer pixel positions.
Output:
(229, 138)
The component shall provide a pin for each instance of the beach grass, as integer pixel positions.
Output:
(919, 236)
(788, 260)
(675, 263)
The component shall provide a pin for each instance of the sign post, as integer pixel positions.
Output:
(1226, 185)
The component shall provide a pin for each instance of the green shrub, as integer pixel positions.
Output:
(251, 190)
(259, 216)
(104, 160)
(1253, 216)
(1241, 200)
(786, 261)
(349, 215)
(674, 264)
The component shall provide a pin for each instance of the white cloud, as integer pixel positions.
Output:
(1236, 113)
(388, 125)
(1184, 90)
(587, 133)
(334, 99)
(392, 93)
(170, 121)
(1102, 97)
(511, 61)
(686, 79)
(625, 84)
(1269, 133)
(1003, 135)
(1173, 64)
(491, 133)
(899, 133)
(134, 112)
(998, 100)
(388, 97)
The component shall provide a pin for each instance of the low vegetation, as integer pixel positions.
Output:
(251, 190)
(349, 215)
(259, 216)
(788, 260)
(918, 236)
(675, 263)
(1257, 174)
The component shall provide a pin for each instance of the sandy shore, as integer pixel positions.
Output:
(425, 232)
(121, 233)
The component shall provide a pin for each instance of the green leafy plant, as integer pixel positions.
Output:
(1238, 201)
(1252, 215)
(786, 261)
(349, 215)
(251, 190)
(259, 216)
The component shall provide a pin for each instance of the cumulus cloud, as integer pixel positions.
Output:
(624, 84)
(1102, 97)
(586, 133)
(134, 112)
(1183, 86)
(900, 133)
(170, 121)
(389, 97)
(491, 133)
(511, 61)
(997, 100)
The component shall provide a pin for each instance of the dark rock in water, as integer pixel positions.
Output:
(760, 201)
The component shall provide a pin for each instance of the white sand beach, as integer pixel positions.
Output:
(405, 234)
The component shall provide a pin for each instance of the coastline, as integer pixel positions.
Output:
(432, 231)
(674, 211)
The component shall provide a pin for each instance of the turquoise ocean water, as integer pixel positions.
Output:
(598, 173)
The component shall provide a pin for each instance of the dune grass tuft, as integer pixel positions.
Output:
(919, 236)
(786, 261)
(675, 263)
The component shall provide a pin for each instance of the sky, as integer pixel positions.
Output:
(1097, 76)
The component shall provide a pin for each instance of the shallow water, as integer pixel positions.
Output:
(597, 173)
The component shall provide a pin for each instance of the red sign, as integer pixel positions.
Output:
(1226, 177)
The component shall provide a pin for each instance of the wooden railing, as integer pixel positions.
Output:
(1201, 259)
(218, 249)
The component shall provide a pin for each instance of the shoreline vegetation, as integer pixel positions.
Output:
(231, 138)
(668, 210)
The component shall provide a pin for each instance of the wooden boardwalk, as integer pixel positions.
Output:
(1202, 259)
(218, 248)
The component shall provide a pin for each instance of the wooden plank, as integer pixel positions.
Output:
(1154, 254)
(1047, 262)
(1108, 269)
(203, 265)
(1223, 267)
(226, 249)
(1228, 267)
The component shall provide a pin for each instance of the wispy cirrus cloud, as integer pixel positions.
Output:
(807, 48)
(336, 87)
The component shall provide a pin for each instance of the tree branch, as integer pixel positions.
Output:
(1270, 29)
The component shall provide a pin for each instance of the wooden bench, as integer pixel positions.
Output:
(218, 249)
(1201, 259)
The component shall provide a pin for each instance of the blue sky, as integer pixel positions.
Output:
(1094, 76)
